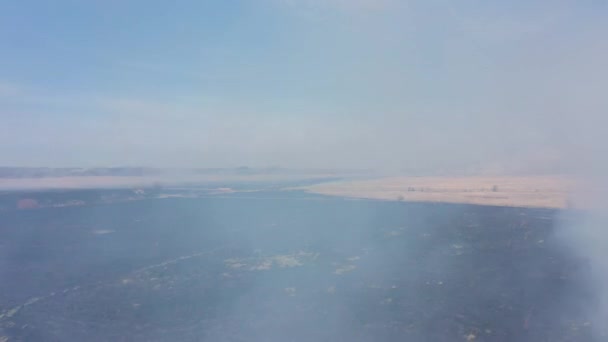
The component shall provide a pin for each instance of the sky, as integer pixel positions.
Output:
(381, 84)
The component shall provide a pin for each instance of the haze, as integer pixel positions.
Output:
(511, 92)
(302, 83)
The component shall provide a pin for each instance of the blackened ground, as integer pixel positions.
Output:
(284, 266)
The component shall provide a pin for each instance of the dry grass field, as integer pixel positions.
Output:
(513, 191)
(520, 191)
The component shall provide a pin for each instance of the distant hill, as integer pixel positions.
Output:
(43, 172)
(46, 172)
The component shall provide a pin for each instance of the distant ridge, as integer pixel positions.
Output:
(46, 172)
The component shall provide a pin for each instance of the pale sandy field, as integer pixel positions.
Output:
(520, 191)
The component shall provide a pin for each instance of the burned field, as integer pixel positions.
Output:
(285, 266)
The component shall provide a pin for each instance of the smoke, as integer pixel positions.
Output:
(582, 229)
(309, 83)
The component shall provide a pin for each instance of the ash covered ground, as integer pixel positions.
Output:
(289, 266)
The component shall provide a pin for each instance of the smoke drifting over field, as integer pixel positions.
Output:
(437, 86)
(585, 232)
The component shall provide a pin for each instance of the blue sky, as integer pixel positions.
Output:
(299, 83)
